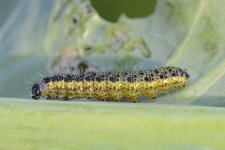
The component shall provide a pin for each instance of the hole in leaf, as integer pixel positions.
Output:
(112, 9)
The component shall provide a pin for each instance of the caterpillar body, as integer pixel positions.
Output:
(115, 86)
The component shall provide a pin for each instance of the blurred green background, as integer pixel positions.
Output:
(6, 9)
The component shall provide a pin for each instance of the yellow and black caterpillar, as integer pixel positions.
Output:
(115, 86)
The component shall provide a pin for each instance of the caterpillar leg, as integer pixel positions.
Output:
(117, 96)
(101, 99)
(133, 98)
(101, 96)
(151, 96)
(52, 98)
(65, 98)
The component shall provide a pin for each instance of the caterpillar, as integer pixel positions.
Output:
(115, 86)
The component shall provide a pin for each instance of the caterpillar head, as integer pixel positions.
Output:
(36, 92)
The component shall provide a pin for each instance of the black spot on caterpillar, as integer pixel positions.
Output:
(115, 86)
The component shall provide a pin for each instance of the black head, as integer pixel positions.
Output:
(36, 93)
